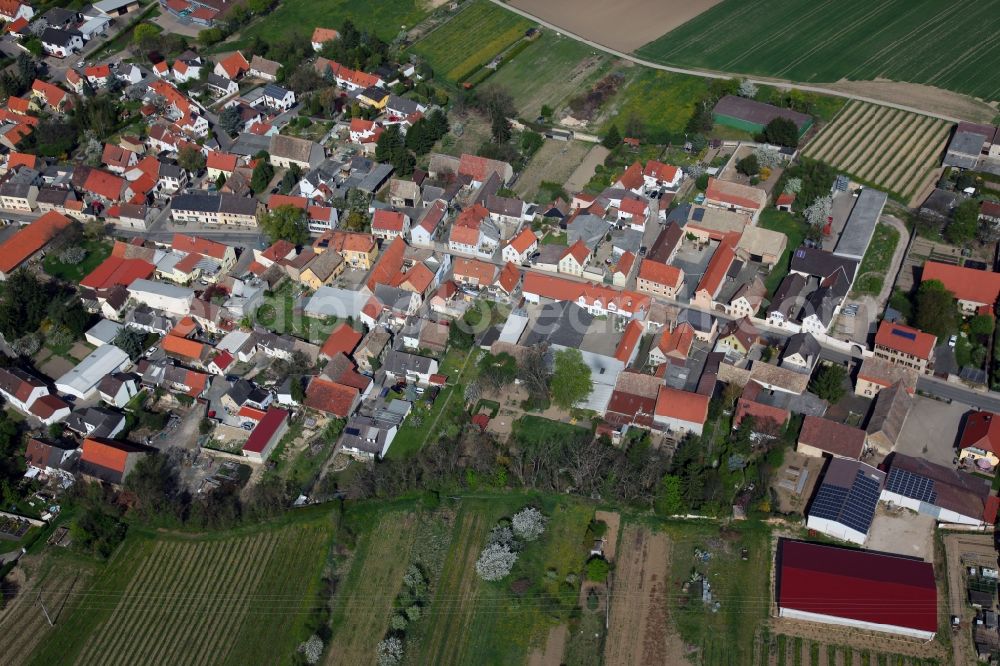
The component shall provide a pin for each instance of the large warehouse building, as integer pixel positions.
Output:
(856, 588)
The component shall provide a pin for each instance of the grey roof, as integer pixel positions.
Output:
(220, 82)
(627, 240)
(393, 297)
(160, 288)
(507, 206)
(293, 148)
(19, 190)
(403, 105)
(824, 301)
(820, 263)
(891, 407)
(399, 363)
(967, 143)
(668, 239)
(860, 226)
(591, 229)
(94, 421)
(375, 178)
(559, 323)
(939, 202)
(937, 485)
(758, 113)
(212, 203)
(247, 144)
(274, 90)
(803, 344)
(364, 433)
(788, 296)
(58, 37)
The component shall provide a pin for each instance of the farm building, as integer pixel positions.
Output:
(949, 495)
(266, 434)
(844, 504)
(974, 289)
(860, 226)
(751, 116)
(855, 588)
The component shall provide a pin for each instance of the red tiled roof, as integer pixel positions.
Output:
(251, 413)
(990, 511)
(682, 405)
(905, 339)
(625, 262)
(104, 184)
(678, 342)
(419, 278)
(634, 207)
(321, 35)
(330, 397)
(717, 268)
(27, 241)
(47, 405)
(478, 168)
(265, 430)
(467, 225)
(195, 244)
(98, 71)
(785, 199)
(361, 125)
(15, 160)
(234, 64)
(523, 240)
(222, 360)
(832, 437)
(343, 339)
(967, 284)
(989, 209)
(178, 346)
(387, 220)
(982, 431)
(222, 161)
(117, 271)
(277, 200)
(18, 104)
(632, 178)
(509, 277)
(473, 268)
(857, 585)
(579, 251)
(660, 171)
(660, 273)
(116, 155)
(278, 251)
(356, 77)
(561, 289)
(108, 454)
(389, 264)
(760, 413)
(631, 337)
(53, 94)
(735, 194)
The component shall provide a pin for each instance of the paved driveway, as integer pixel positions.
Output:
(930, 430)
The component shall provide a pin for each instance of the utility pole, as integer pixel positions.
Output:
(44, 611)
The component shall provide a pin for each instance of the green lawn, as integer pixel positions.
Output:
(661, 101)
(554, 239)
(871, 274)
(472, 38)
(726, 636)
(296, 19)
(533, 429)
(97, 252)
(935, 42)
(549, 71)
(791, 226)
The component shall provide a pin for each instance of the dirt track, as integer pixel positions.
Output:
(624, 25)
(641, 631)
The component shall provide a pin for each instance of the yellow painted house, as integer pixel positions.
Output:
(373, 97)
(322, 270)
(358, 250)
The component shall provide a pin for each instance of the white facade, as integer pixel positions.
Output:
(941, 514)
(836, 530)
(847, 622)
(82, 380)
(159, 296)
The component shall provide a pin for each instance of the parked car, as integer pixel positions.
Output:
(952, 341)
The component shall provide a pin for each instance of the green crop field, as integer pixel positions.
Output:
(661, 101)
(229, 598)
(295, 19)
(471, 39)
(945, 43)
(550, 70)
(887, 148)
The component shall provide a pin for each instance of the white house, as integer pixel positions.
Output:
(82, 380)
(680, 412)
(161, 296)
(21, 389)
(61, 43)
(521, 247)
(278, 97)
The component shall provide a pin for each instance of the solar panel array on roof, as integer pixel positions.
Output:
(908, 335)
(911, 485)
(800, 253)
(352, 431)
(841, 183)
(853, 507)
(698, 215)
